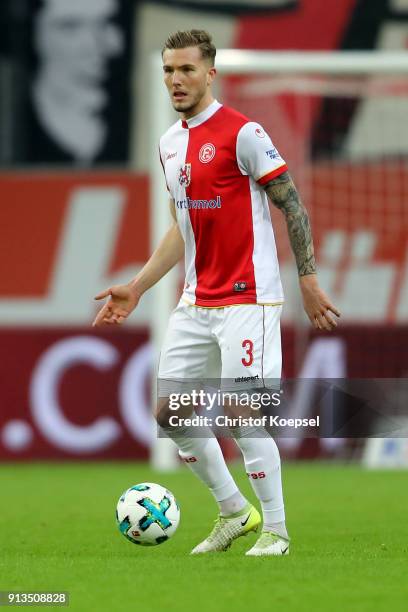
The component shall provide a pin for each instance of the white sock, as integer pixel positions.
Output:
(278, 528)
(262, 464)
(204, 457)
(233, 504)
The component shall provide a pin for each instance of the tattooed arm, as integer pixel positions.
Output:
(283, 194)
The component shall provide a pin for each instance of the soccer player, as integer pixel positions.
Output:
(220, 167)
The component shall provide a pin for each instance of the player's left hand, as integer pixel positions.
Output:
(317, 305)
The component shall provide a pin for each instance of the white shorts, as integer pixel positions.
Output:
(241, 344)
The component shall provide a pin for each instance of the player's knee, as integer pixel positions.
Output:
(163, 413)
(167, 416)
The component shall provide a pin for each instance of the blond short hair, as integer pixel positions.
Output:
(192, 38)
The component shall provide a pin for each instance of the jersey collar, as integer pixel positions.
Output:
(201, 117)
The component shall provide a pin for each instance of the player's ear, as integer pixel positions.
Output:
(211, 75)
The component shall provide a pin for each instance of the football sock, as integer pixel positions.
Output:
(278, 528)
(204, 457)
(235, 504)
(262, 464)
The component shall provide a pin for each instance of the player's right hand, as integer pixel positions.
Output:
(123, 299)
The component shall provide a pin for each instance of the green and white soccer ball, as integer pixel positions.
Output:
(147, 514)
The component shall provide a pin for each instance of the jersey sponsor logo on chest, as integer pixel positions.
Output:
(189, 203)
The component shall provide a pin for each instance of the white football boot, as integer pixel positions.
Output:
(228, 529)
(269, 543)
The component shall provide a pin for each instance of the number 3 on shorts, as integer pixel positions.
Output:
(248, 345)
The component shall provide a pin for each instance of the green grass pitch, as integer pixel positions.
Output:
(349, 550)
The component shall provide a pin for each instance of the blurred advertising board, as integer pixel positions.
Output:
(70, 393)
(67, 391)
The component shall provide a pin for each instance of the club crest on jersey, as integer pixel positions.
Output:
(207, 153)
(184, 177)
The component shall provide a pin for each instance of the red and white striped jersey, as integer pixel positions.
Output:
(215, 165)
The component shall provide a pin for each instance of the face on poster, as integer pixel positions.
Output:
(75, 40)
(77, 83)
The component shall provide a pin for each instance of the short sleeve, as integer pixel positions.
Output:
(256, 154)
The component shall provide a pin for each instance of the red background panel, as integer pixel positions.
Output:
(32, 216)
(84, 393)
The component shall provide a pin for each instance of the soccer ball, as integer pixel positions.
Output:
(147, 514)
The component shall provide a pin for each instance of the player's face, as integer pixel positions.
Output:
(188, 78)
